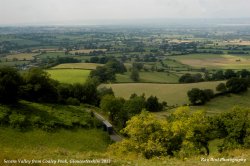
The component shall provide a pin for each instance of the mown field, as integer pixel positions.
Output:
(87, 66)
(69, 76)
(212, 61)
(154, 77)
(171, 93)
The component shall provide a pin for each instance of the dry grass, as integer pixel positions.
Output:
(171, 93)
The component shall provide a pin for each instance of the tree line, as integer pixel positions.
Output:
(233, 85)
(36, 85)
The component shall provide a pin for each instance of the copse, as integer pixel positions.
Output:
(10, 81)
(199, 97)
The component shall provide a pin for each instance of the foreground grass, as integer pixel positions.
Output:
(89, 145)
(69, 76)
(171, 93)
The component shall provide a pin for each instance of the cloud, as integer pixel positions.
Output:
(39, 11)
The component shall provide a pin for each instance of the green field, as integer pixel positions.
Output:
(213, 61)
(69, 76)
(171, 93)
(154, 77)
(87, 66)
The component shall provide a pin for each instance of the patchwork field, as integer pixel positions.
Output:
(215, 61)
(24, 56)
(87, 66)
(171, 93)
(69, 76)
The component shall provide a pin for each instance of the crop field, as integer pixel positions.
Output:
(171, 93)
(154, 77)
(23, 56)
(86, 51)
(87, 66)
(215, 61)
(69, 76)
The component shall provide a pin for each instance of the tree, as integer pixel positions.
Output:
(196, 96)
(209, 94)
(39, 87)
(233, 126)
(244, 73)
(153, 105)
(113, 106)
(10, 81)
(229, 74)
(183, 134)
(237, 85)
(134, 105)
(218, 75)
(221, 88)
(103, 74)
(116, 66)
(135, 75)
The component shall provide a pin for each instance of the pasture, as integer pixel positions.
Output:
(21, 57)
(212, 61)
(86, 66)
(69, 76)
(171, 93)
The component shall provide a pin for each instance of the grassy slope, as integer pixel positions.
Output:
(69, 75)
(171, 93)
(35, 143)
(223, 103)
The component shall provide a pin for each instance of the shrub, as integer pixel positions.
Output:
(72, 101)
(17, 120)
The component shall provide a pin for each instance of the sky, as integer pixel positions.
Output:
(80, 11)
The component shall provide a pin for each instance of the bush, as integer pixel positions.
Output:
(10, 81)
(17, 120)
(72, 101)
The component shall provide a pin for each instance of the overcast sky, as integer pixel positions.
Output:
(66, 11)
